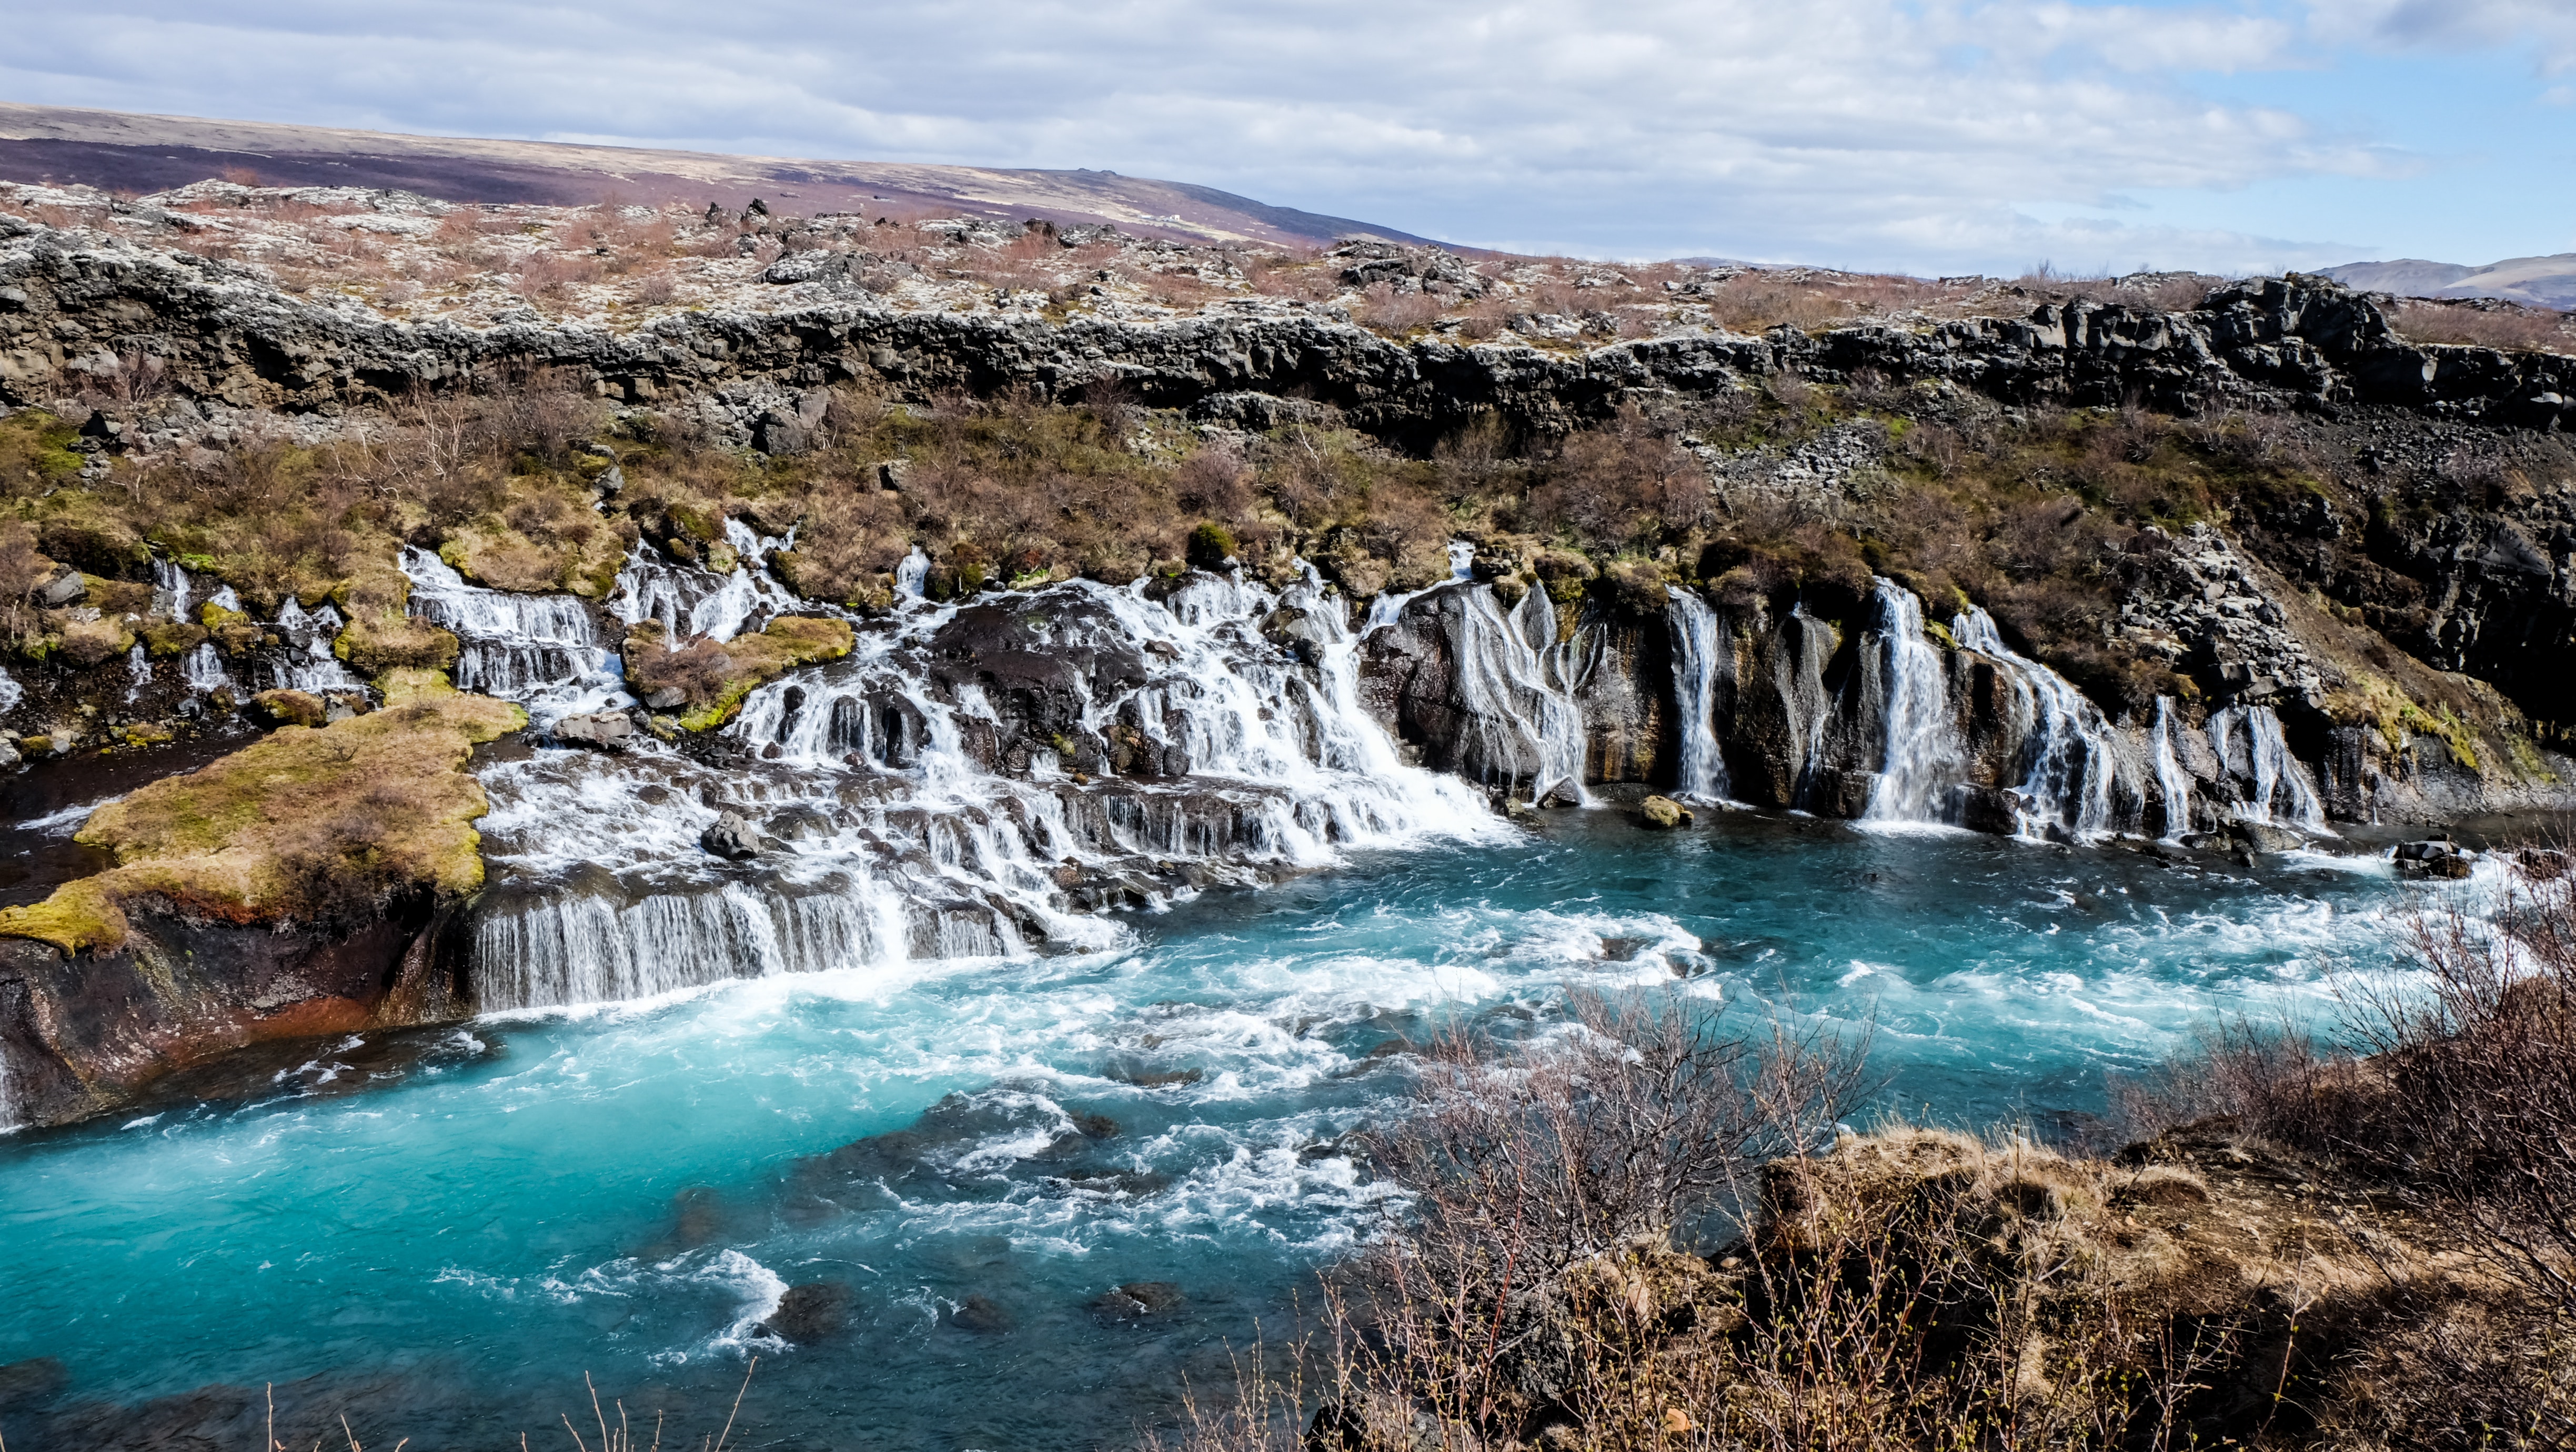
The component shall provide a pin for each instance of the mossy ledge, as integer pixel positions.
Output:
(712, 677)
(292, 827)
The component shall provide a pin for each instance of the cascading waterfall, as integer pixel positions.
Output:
(138, 674)
(172, 589)
(910, 572)
(1696, 642)
(203, 670)
(306, 662)
(1921, 745)
(690, 601)
(11, 693)
(2175, 782)
(2249, 743)
(901, 838)
(2069, 758)
(1512, 680)
(540, 650)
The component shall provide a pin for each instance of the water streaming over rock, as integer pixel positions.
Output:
(11, 693)
(543, 651)
(910, 572)
(203, 669)
(138, 674)
(303, 661)
(1698, 636)
(972, 781)
(2274, 786)
(1516, 679)
(1921, 760)
(2171, 779)
(2071, 761)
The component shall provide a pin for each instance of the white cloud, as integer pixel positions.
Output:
(2546, 28)
(1882, 132)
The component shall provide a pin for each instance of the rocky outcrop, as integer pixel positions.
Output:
(81, 1033)
(72, 300)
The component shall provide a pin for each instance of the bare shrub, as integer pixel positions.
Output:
(550, 274)
(1397, 313)
(2451, 1086)
(1618, 486)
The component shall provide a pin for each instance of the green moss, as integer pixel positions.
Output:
(173, 637)
(78, 915)
(288, 708)
(36, 450)
(376, 642)
(739, 665)
(292, 826)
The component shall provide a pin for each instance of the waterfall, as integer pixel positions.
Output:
(171, 589)
(11, 693)
(138, 674)
(2068, 761)
(540, 650)
(1697, 639)
(693, 602)
(912, 819)
(2175, 782)
(203, 669)
(909, 574)
(304, 662)
(1513, 683)
(1462, 561)
(1921, 748)
(2276, 787)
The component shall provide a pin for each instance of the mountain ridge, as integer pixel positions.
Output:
(117, 150)
(2544, 281)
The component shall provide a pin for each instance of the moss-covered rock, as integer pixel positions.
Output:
(376, 642)
(711, 677)
(88, 642)
(289, 708)
(172, 637)
(303, 825)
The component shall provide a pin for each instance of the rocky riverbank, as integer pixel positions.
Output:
(855, 619)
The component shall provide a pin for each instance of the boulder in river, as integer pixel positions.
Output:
(810, 1312)
(732, 835)
(601, 730)
(1662, 814)
(1137, 1299)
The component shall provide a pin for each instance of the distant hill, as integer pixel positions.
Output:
(2548, 282)
(117, 150)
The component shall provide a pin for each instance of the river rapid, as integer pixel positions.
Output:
(439, 1232)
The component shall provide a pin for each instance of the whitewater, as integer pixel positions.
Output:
(894, 1060)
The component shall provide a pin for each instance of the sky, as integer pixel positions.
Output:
(2232, 136)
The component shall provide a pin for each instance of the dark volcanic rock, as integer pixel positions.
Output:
(1137, 1300)
(180, 992)
(732, 835)
(810, 1312)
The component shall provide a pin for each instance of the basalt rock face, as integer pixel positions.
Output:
(83, 1034)
(71, 299)
(1869, 714)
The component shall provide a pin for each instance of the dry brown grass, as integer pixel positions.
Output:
(2507, 326)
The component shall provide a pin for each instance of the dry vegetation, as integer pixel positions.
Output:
(2366, 1246)
(2484, 323)
(621, 265)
